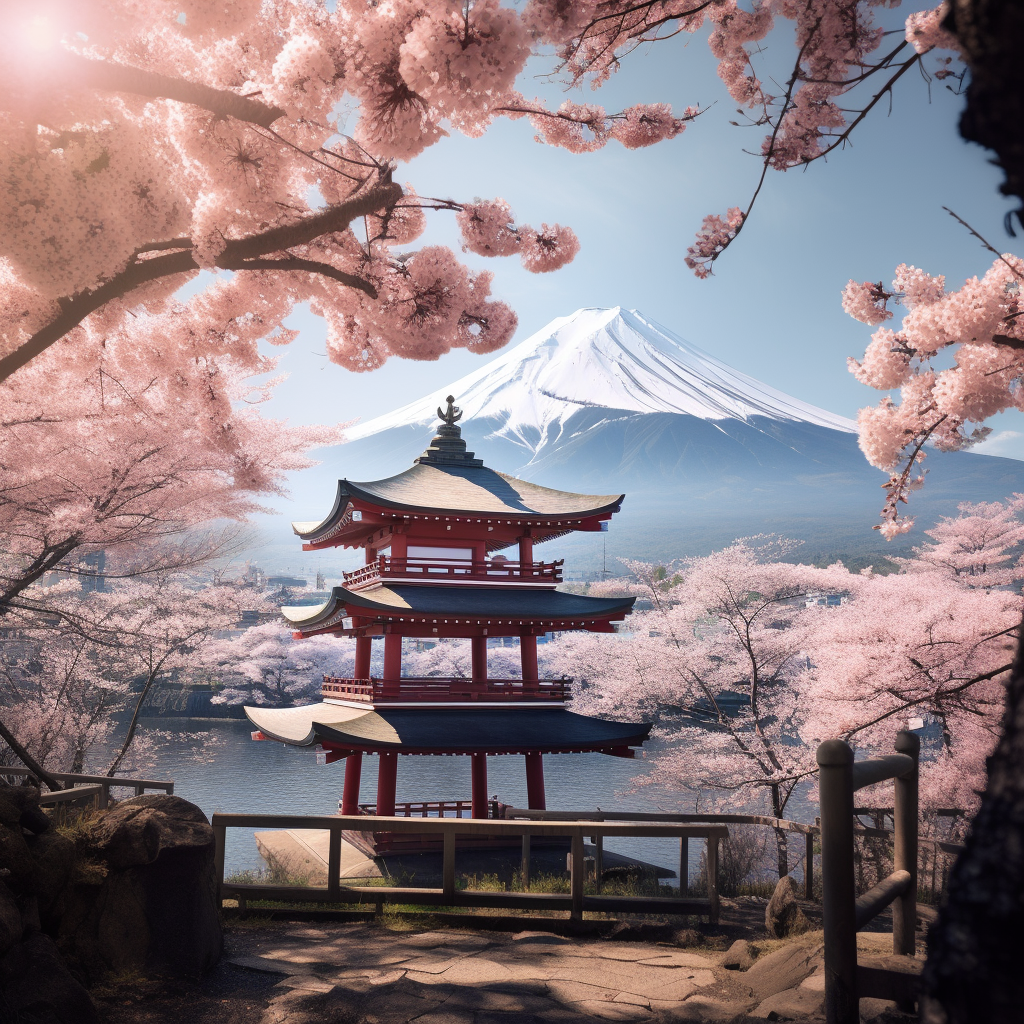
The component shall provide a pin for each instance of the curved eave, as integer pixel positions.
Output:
(312, 532)
(413, 731)
(411, 601)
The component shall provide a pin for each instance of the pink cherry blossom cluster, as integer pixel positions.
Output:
(488, 229)
(977, 328)
(714, 235)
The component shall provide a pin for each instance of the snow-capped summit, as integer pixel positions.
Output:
(613, 359)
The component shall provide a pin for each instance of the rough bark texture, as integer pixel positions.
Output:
(976, 949)
(991, 33)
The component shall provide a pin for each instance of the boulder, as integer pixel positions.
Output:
(19, 805)
(785, 968)
(156, 908)
(137, 830)
(738, 956)
(37, 985)
(15, 858)
(10, 921)
(54, 858)
(783, 916)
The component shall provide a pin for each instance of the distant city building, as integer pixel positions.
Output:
(287, 582)
(91, 569)
(822, 600)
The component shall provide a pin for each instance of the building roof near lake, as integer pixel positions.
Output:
(410, 730)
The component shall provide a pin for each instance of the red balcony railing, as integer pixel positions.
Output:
(454, 570)
(435, 688)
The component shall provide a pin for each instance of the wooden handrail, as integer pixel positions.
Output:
(104, 783)
(454, 688)
(576, 902)
(437, 570)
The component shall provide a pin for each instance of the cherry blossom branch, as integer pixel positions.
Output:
(896, 486)
(987, 244)
(237, 251)
(109, 76)
(28, 760)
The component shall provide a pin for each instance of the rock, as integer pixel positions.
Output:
(783, 916)
(738, 956)
(136, 830)
(54, 858)
(156, 910)
(785, 968)
(19, 805)
(790, 1003)
(37, 985)
(16, 858)
(10, 921)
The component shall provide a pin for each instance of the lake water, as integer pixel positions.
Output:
(239, 775)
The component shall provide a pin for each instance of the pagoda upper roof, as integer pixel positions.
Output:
(462, 490)
(448, 480)
(474, 602)
(409, 730)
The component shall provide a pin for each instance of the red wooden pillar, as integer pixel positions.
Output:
(392, 662)
(526, 548)
(387, 782)
(528, 653)
(364, 648)
(535, 782)
(479, 644)
(350, 795)
(479, 773)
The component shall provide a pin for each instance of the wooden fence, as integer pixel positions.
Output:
(846, 980)
(576, 902)
(85, 789)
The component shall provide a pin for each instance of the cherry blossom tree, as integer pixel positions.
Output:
(97, 654)
(153, 437)
(714, 665)
(265, 664)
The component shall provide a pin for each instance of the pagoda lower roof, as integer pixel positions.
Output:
(461, 490)
(407, 601)
(440, 731)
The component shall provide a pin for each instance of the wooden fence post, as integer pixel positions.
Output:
(684, 866)
(219, 837)
(334, 864)
(904, 910)
(712, 863)
(577, 874)
(525, 880)
(448, 868)
(835, 787)
(809, 865)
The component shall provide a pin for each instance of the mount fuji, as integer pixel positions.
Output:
(607, 399)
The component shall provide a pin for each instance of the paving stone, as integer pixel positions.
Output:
(629, 997)
(447, 1017)
(815, 983)
(679, 958)
(565, 991)
(615, 1011)
(547, 938)
(432, 965)
(269, 965)
(476, 970)
(486, 998)
(703, 1009)
(682, 988)
(387, 978)
(307, 983)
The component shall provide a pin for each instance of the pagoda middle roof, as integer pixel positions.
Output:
(469, 490)
(454, 731)
(483, 602)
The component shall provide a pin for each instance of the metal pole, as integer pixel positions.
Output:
(904, 910)
(576, 876)
(835, 787)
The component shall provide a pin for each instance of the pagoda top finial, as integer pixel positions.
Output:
(452, 415)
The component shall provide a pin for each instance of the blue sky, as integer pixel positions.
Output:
(772, 308)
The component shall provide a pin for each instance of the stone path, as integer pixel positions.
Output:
(367, 973)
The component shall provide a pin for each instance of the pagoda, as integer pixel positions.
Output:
(431, 537)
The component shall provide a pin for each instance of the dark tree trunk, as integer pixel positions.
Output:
(976, 949)
(781, 849)
(991, 35)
